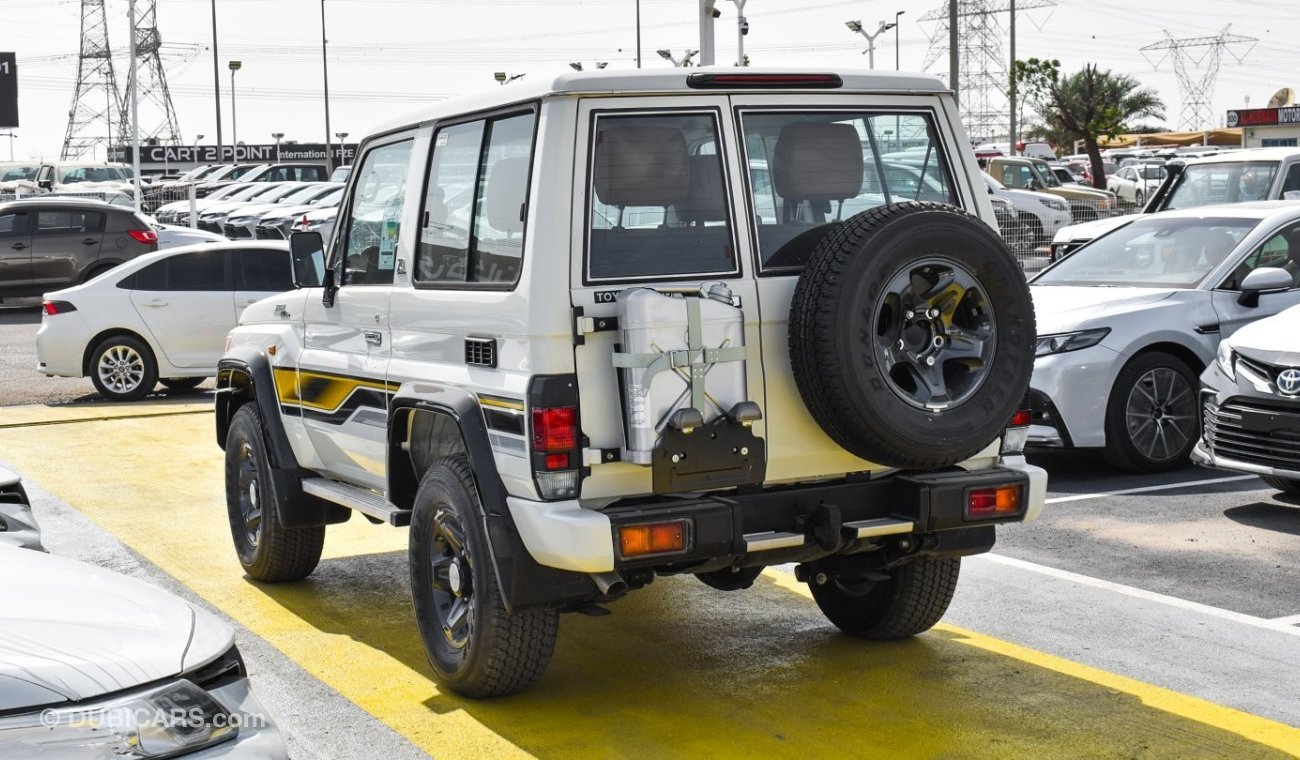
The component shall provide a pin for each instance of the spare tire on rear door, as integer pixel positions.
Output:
(912, 335)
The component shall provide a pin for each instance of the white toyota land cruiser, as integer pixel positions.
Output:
(628, 324)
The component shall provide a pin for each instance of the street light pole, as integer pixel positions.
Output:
(1011, 86)
(742, 28)
(135, 108)
(216, 78)
(897, 46)
(342, 136)
(856, 26)
(325, 71)
(234, 125)
(11, 135)
(277, 136)
(638, 34)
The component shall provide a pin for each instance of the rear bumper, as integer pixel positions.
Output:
(777, 525)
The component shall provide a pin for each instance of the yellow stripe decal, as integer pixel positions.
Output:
(501, 403)
(318, 390)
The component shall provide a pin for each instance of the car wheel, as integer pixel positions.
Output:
(476, 647)
(1138, 198)
(912, 335)
(182, 384)
(1285, 485)
(1035, 229)
(268, 551)
(1152, 418)
(123, 368)
(911, 600)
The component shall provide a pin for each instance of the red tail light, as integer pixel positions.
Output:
(555, 429)
(50, 308)
(143, 236)
(1020, 419)
(993, 502)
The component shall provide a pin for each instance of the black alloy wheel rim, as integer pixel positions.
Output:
(935, 331)
(1160, 415)
(250, 496)
(452, 581)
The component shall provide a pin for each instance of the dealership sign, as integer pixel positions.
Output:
(259, 154)
(1264, 117)
(8, 91)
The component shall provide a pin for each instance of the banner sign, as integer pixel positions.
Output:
(245, 154)
(1264, 117)
(8, 91)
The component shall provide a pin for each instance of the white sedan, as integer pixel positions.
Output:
(1135, 183)
(97, 665)
(162, 316)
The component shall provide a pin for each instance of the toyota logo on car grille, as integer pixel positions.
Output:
(1288, 381)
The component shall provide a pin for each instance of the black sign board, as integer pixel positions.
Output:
(8, 91)
(1264, 117)
(245, 154)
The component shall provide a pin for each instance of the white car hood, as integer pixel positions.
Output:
(1024, 196)
(70, 631)
(1063, 308)
(1278, 334)
(1093, 229)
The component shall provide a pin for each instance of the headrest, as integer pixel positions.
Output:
(641, 166)
(507, 186)
(817, 162)
(706, 199)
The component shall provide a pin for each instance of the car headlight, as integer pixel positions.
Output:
(1226, 358)
(162, 721)
(1056, 204)
(1071, 341)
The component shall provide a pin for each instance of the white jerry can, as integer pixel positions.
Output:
(678, 351)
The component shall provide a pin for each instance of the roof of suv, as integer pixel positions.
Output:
(1251, 154)
(672, 80)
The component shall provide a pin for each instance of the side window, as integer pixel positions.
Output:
(810, 171)
(1281, 250)
(202, 270)
(658, 204)
(374, 219)
(263, 270)
(13, 225)
(1292, 183)
(69, 221)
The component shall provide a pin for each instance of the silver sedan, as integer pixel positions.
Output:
(1128, 322)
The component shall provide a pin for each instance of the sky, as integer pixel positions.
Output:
(387, 57)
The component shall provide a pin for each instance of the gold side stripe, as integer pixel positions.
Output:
(317, 390)
(501, 403)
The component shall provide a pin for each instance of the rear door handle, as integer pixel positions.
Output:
(154, 304)
(19, 246)
(90, 241)
(374, 337)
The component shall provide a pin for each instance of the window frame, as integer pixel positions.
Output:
(34, 221)
(589, 192)
(236, 268)
(928, 113)
(335, 259)
(131, 281)
(1256, 250)
(488, 117)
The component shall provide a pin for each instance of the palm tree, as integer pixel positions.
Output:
(1086, 105)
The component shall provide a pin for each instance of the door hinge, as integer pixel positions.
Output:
(592, 457)
(584, 326)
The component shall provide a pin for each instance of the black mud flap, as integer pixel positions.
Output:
(721, 454)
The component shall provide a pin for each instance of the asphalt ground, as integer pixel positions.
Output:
(1141, 616)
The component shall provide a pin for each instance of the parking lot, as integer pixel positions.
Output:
(1140, 616)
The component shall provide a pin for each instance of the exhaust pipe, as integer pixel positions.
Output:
(609, 583)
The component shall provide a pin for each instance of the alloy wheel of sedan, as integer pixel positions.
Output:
(121, 368)
(1160, 415)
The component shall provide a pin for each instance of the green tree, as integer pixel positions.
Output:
(1086, 105)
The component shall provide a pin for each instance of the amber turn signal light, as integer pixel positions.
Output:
(993, 502)
(655, 538)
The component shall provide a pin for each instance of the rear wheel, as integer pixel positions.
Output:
(476, 647)
(123, 368)
(268, 551)
(1285, 485)
(1152, 418)
(910, 601)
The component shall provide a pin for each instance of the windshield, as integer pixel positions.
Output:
(332, 198)
(1236, 182)
(16, 173)
(1049, 177)
(306, 194)
(1152, 252)
(255, 190)
(227, 191)
(72, 174)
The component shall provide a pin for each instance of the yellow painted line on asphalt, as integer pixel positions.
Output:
(32, 415)
(679, 670)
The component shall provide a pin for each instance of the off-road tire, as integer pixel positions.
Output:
(274, 554)
(143, 368)
(1122, 450)
(833, 340)
(503, 653)
(911, 601)
(1285, 485)
(181, 384)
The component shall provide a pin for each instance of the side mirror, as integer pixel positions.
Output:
(1263, 280)
(1033, 185)
(308, 253)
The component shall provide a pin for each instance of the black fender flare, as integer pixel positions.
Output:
(524, 583)
(244, 375)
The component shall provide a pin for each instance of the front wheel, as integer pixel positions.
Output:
(123, 368)
(1285, 485)
(267, 551)
(476, 647)
(910, 601)
(1152, 418)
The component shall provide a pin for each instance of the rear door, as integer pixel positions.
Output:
(15, 249)
(811, 162)
(260, 272)
(64, 242)
(187, 303)
(656, 205)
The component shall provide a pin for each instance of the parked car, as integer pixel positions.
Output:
(18, 526)
(258, 193)
(178, 212)
(1066, 175)
(163, 317)
(276, 223)
(48, 243)
(1035, 174)
(1041, 214)
(340, 173)
(98, 665)
(1127, 323)
(242, 222)
(320, 222)
(1222, 177)
(274, 173)
(172, 236)
(1136, 182)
